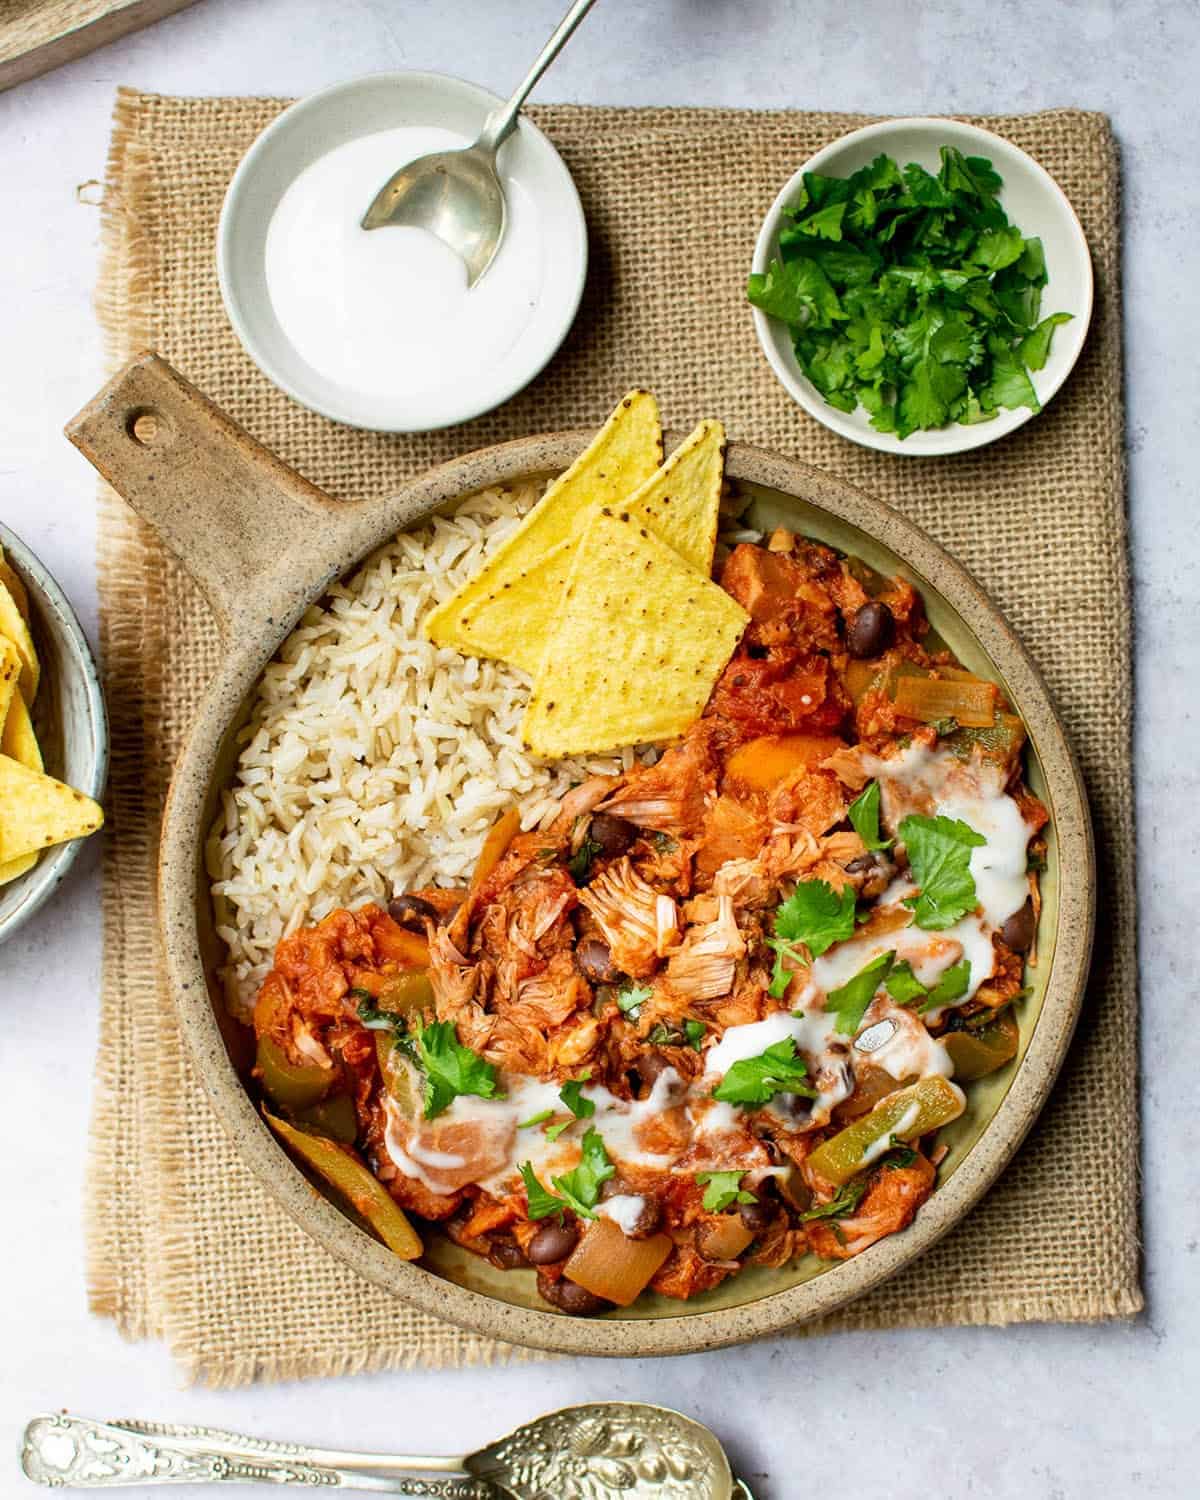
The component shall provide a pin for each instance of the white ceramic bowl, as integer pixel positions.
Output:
(315, 126)
(1032, 200)
(69, 718)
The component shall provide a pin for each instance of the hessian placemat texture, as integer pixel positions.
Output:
(184, 1244)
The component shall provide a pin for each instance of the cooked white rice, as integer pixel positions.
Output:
(375, 762)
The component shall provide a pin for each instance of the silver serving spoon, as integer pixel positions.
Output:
(457, 195)
(641, 1452)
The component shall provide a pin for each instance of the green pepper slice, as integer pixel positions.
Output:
(288, 1084)
(906, 1114)
(334, 1117)
(343, 1171)
(977, 1053)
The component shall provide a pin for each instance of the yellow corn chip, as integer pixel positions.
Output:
(37, 811)
(10, 674)
(13, 626)
(626, 451)
(11, 868)
(18, 738)
(640, 643)
(678, 503)
(12, 582)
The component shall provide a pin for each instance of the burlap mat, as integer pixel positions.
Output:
(183, 1243)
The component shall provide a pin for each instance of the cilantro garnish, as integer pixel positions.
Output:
(693, 1032)
(571, 1095)
(579, 1189)
(580, 863)
(953, 985)
(899, 1156)
(451, 1069)
(845, 1201)
(723, 1189)
(754, 1081)
(552, 1132)
(815, 915)
(911, 294)
(903, 985)
(538, 1119)
(939, 854)
(630, 999)
(863, 813)
(851, 999)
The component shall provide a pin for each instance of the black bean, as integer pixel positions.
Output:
(553, 1242)
(614, 835)
(594, 961)
(412, 911)
(569, 1297)
(648, 1066)
(872, 630)
(1020, 930)
(757, 1215)
(507, 1255)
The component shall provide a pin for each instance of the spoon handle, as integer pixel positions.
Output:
(500, 123)
(63, 1450)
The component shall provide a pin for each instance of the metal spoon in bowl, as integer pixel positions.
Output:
(457, 195)
(643, 1452)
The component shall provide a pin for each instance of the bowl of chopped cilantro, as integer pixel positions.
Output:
(921, 286)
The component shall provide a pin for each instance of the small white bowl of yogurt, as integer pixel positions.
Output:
(379, 329)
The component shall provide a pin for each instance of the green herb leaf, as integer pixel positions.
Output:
(571, 1095)
(953, 985)
(851, 999)
(899, 1156)
(863, 813)
(693, 1032)
(538, 1119)
(541, 1203)
(844, 1202)
(754, 1081)
(817, 916)
(903, 985)
(372, 1017)
(581, 1187)
(724, 1189)
(939, 855)
(580, 863)
(1035, 346)
(630, 999)
(451, 1069)
(552, 1132)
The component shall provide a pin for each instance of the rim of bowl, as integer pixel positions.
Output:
(287, 121)
(49, 873)
(788, 372)
(182, 889)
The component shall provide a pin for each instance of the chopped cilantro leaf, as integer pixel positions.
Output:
(571, 1095)
(552, 1132)
(939, 855)
(953, 985)
(864, 817)
(903, 985)
(580, 863)
(581, 1187)
(754, 1081)
(1035, 346)
(693, 1032)
(630, 999)
(539, 1119)
(541, 1203)
(845, 1201)
(451, 1069)
(899, 1156)
(851, 999)
(723, 1190)
(815, 915)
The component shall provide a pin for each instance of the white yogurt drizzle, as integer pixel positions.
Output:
(711, 1132)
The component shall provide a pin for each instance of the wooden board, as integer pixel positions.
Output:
(37, 35)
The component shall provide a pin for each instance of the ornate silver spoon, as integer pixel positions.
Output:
(604, 1448)
(457, 195)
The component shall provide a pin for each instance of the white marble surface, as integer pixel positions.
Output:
(1062, 1412)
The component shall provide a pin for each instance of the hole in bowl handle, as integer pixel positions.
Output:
(227, 507)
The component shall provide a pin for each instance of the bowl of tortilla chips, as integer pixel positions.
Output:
(53, 735)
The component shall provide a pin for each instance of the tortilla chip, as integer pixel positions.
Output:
(625, 452)
(640, 643)
(12, 582)
(37, 811)
(14, 628)
(10, 674)
(18, 738)
(678, 503)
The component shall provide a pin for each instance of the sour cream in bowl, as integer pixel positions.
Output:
(379, 330)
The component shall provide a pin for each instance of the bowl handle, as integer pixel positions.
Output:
(226, 506)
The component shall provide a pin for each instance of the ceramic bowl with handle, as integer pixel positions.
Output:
(264, 544)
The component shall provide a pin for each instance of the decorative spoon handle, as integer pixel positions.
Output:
(500, 123)
(65, 1451)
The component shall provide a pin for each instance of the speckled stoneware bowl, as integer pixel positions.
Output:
(264, 544)
(68, 717)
